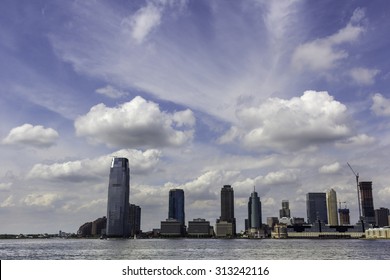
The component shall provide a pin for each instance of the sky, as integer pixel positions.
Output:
(197, 94)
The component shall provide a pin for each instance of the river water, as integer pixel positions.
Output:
(193, 249)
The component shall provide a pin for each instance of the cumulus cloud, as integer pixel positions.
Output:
(41, 200)
(33, 136)
(363, 76)
(381, 105)
(324, 53)
(111, 92)
(330, 169)
(138, 123)
(298, 123)
(140, 162)
(279, 177)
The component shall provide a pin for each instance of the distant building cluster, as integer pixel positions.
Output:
(325, 218)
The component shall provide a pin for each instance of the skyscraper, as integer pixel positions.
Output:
(382, 217)
(226, 220)
(285, 211)
(176, 205)
(316, 208)
(367, 202)
(135, 219)
(254, 212)
(118, 199)
(331, 205)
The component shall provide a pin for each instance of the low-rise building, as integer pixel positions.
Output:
(172, 228)
(199, 228)
(378, 233)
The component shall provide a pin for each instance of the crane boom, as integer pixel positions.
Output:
(358, 193)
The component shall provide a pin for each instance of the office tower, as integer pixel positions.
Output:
(316, 208)
(331, 205)
(135, 220)
(382, 217)
(344, 216)
(226, 224)
(176, 205)
(118, 199)
(254, 212)
(367, 202)
(285, 211)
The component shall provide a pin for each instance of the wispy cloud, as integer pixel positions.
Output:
(363, 76)
(111, 92)
(323, 54)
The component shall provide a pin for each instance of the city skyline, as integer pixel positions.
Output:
(196, 94)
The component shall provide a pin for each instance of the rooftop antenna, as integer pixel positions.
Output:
(358, 193)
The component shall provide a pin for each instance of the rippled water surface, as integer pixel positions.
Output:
(184, 249)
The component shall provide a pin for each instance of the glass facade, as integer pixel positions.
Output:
(316, 208)
(176, 205)
(254, 212)
(118, 199)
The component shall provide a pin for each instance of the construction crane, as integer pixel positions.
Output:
(358, 194)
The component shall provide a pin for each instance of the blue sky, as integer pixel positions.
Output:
(197, 94)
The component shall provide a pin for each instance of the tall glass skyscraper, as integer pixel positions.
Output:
(367, 202)
(316, 208)
(176, 205)
(254, 212)
(118, 199)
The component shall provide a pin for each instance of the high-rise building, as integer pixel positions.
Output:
(135, 220)
(254, 212)
(285, 211)
(367, 202)
(382, 217)
(176, 205)
(118, 199)
(344, 216)
(316, 208)
(331, 205)
(227, 212)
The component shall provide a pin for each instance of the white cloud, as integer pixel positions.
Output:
(143, 21)
(363, 76)
(8, 202)
(381, 105)
(111, 92)
(298, 123)
(5, 186)
(330, 169)
(138, 123)
(280, 177)
(41, 200)
(357, 140)
(323, 54)
(34, 136)
(90, 169)
(184, 118)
